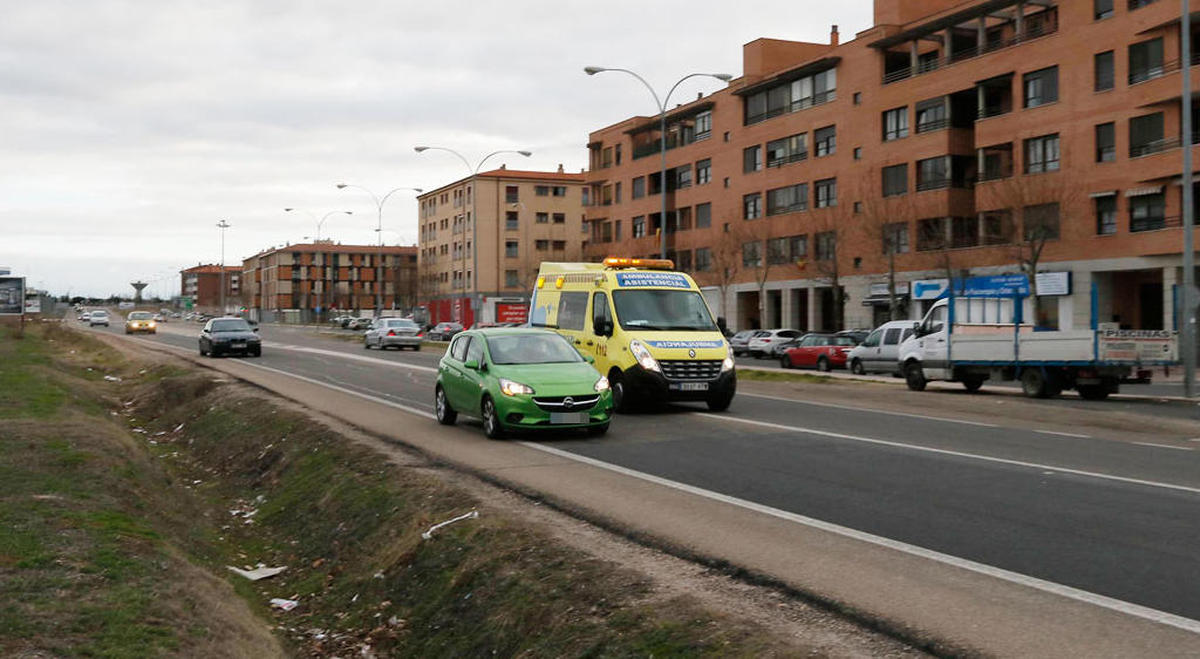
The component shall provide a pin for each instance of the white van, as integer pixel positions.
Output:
(880, 351)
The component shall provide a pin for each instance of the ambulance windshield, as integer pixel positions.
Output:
(663, 310)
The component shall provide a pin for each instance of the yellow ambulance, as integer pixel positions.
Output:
(647, 327)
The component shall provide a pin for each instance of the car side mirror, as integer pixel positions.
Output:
(919, 330)
(589, 359)
(254, 329)
(471, 364)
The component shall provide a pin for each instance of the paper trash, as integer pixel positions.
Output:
(261, 572)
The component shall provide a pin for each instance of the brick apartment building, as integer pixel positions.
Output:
(950, 138)
(525, 217)
(203, 284)
(305, 282)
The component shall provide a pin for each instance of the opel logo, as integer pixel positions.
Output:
(692, 354)
(568, 402)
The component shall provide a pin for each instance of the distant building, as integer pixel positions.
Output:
(525, 217)
(298, 283)
(202, 284)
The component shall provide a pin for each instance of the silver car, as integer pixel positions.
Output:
(392, 332)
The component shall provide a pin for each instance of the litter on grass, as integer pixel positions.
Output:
(110, 378)
(429, 534)
(286, 605)
(260, 572)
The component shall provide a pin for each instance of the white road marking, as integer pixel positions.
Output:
(349, 356)
(1063, 434)
(1177, 448)
(1128, 608)
(872, 411)
(1112, 604)
(958, 454)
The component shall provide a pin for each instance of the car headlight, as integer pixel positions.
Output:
(510, 388)
(727, 365)
(601, 384)
(152, 323)
(642, 354)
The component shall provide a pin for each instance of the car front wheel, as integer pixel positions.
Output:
(491, 419)
(784, 362)
(914, 377)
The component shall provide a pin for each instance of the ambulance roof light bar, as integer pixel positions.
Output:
(648, 264)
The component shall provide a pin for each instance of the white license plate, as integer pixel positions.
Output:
(237, 344)
(568, 417)
(692, 386)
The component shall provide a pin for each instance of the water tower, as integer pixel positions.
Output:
(137, 287)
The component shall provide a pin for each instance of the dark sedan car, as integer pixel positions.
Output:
(223, 336)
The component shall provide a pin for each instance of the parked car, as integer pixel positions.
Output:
(359, 324)
(160, 318)
(444, 331)
(229, 335)
(393, 332)
(859, 335)
(880, 351)
(98, 317)
(521, 379)
(739, 342)
(821, 351)
(140, 321)
(762, 345)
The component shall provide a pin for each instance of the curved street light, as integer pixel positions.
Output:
(319, 222)
(662, 136)
(474, 173)
(379, 202)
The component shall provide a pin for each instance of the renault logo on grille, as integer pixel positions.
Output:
(568, 402)
(692, 354)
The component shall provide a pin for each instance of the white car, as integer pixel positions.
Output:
(739, 342)
(98, 317)
(880, 351)
(763, 345)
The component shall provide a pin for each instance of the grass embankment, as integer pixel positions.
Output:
(751, 374)
(113, 496)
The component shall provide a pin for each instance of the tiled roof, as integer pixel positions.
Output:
(329, 248)
(211, 268)
(539, 176)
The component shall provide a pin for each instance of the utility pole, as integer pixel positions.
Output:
(223, 225)
(1187, 333)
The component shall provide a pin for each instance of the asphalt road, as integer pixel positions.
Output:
(1113, 518)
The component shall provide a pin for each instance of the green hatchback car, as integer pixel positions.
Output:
(520, 379)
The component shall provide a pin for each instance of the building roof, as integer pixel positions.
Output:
(504, 173)
(339, 249)
(210, 268)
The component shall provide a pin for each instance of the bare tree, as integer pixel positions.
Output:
(829, 226)
(885, 222)
(726, 266)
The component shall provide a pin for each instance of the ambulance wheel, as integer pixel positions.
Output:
(720, 402)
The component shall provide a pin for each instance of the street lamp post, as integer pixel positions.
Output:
(474, 174)
(379, 202)
(1187, 333)
(223, 225)
(319, 223)
(662, 138)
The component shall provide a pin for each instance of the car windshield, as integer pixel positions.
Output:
(402, 323)
(236, 325)
(662, 310)
(531, 349)
(99, 313)
(844, 341)
(140, 315)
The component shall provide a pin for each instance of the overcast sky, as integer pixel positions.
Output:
(128, 129)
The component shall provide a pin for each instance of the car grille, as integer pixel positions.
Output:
(558, 403)
(691, 369)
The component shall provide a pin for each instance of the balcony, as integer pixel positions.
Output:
(1153, 72)
(1158, 146)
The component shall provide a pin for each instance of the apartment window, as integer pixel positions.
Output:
(684, 260)
(1106, 215)
(654, 183)
(541, 190)
(1147, 212)
(826, 244)
(703, 259)
(933, 173)
(617, 191)
(857, 98)
(895, 180)
(787, 199)
(895, 124)
(1041, 87)
(1102, 63)
(825, 140)
(895, 238)
(1145, 134)
(617, 230)
(1041, 154)
(1102, 9)
(791, 96)
(703, 171)
(541, 245)
(1145, 60)
(858, 153)
(511, 221)
(703, 126)
(618, 154)
(683, 177)
(931, 115)
(793, 148)
(1106, 142)
(585, 196)
(639, 226)
(638, 189)
(826, 190)
(1041, 222)
(511, 194)
(777, 251)
(542, 218)
(510, 279)
(559, 218)
(997, 227)
(559, 190)
(752, 254)
(510, 248)
(683, 219)
(752, 206)
(559, 245)
(798, 247)
(931, 234)
(964, 231)
(752, 159)
(703, 215)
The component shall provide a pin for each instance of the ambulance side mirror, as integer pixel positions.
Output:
(603, 328)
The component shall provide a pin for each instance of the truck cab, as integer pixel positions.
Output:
(648, 328)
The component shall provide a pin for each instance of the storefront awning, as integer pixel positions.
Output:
(1141, 192)
(1107, 193)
